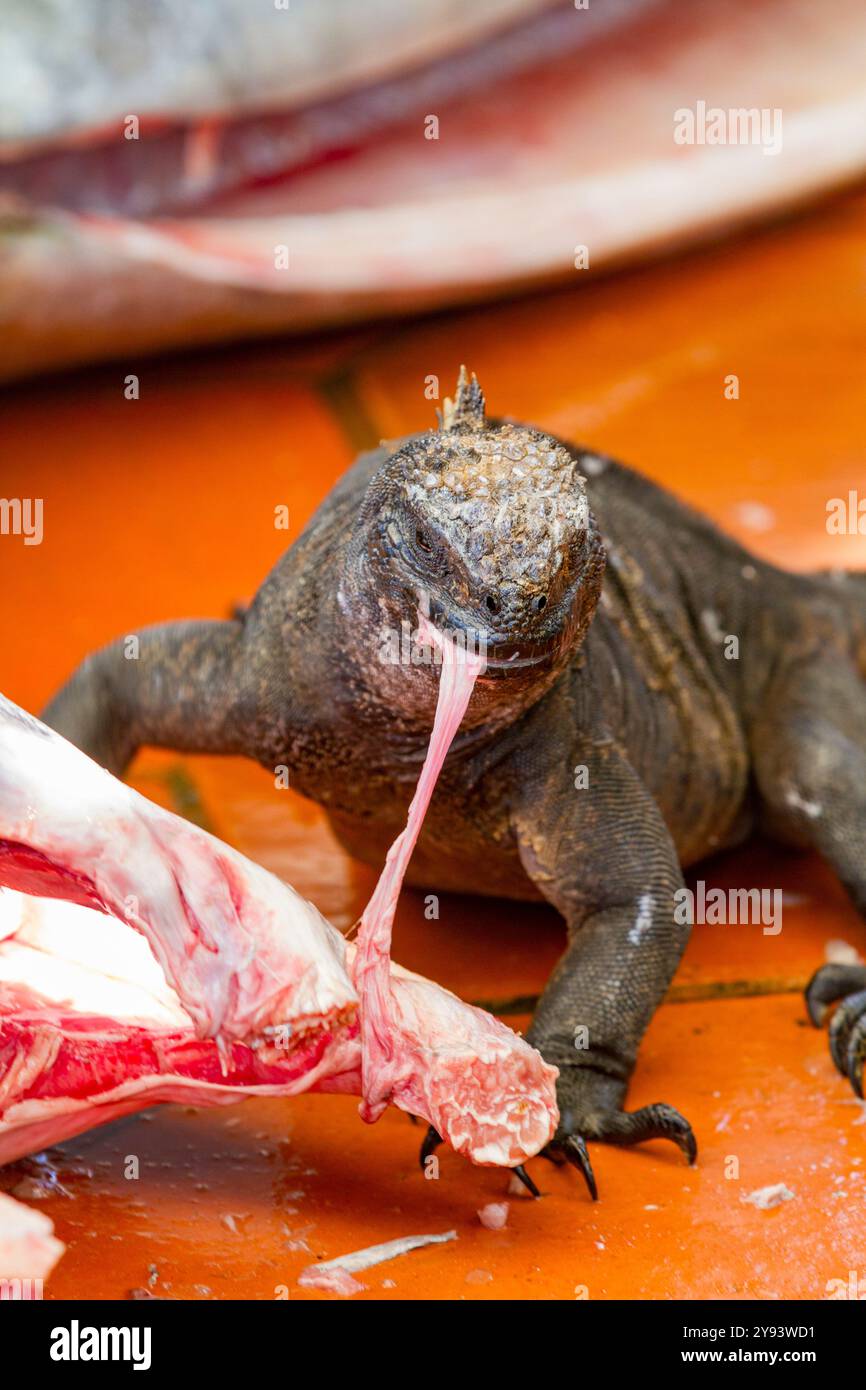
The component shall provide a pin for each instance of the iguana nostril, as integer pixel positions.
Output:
(540, 603)
(492, 603)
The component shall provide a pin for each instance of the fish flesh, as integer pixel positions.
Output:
(29, 1250)
(552, 147)
(142, 961)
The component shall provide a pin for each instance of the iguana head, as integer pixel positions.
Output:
(485, 526)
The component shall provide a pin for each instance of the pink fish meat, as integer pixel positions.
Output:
(28, 1249)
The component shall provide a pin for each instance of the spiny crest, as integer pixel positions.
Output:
(466, 411)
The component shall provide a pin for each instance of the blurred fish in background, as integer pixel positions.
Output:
(175, 172)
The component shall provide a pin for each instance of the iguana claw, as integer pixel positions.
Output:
(521, 1173)
(658, 1121)
(429, 1144)
(845, 983)
(829, 984)
(431, 1141)
(572, 1149)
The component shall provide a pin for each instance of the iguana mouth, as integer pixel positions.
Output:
(503, 657)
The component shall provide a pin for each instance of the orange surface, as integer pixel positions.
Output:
(163, 507)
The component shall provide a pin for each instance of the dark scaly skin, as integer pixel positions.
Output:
(686, 751)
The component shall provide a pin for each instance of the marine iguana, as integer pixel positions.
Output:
(609, 744)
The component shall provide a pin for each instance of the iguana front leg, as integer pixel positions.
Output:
(603, 856)
(177, 686)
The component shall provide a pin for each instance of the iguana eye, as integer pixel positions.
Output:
(422, 542)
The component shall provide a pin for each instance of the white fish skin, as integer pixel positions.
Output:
(495, 203)
(69, 69)
(187, 162)
(357, 1260)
